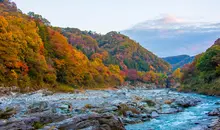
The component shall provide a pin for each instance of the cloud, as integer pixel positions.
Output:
(170, 35)
(171, 19)
(170, 22)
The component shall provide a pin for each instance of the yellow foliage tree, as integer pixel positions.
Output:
(177, 74)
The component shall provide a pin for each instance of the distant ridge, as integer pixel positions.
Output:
(179, 61)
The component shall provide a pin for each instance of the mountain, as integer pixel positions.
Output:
(178, 61)
(115, 48)
(203, 74)
(170, 36)
(34, 55)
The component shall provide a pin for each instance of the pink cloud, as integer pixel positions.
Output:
(172, 19)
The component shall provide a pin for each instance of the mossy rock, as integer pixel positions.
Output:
(149, 102)
(38, 125)
(7, 113)
(123, 108)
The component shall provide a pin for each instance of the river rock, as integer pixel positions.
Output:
(187, 102)
(128, 113)
(7, 113)
(149, 102)
(217, 103)
(132, 117)
(121, 103)
(16, 125)
(95, 121)
(149, 110)
(38, 107)
(154, 114)
(215, 125)
(63, 107)
(48, 116)
(105, 109)
(215, 112)
(168, 101)
(21, 124)
(166, 109)
(131, 121)
(7, 91)
(136, 115)
(47, 93)
(27, 123)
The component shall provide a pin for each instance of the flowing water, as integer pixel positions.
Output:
(191, 118)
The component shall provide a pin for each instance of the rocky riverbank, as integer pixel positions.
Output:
(92, 109)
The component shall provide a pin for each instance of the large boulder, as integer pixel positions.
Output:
(94, 121)
(28, 122)
(187, 102)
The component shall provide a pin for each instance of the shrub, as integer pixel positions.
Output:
(88, 106)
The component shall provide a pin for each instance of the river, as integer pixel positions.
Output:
(193, 117)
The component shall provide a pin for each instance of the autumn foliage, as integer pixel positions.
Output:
(33, 54)
(146, 77)
(203, 74)
(115, 48)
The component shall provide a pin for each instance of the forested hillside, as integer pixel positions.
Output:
(34, 55)
(115, 48)
(203, 74)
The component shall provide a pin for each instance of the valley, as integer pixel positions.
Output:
(67, 78)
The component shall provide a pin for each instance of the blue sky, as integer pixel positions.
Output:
(170, 36)
(106, 15)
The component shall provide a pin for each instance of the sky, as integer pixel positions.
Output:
(171, 36)
(103, 16)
